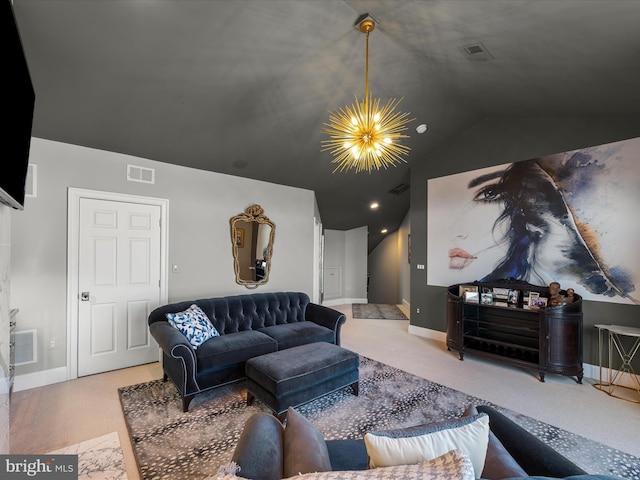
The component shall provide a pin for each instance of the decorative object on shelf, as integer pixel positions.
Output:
(363, 136)
(554, 294)
(252, 236)
(548, 340)
(569, 297)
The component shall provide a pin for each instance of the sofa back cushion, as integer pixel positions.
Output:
(237, 313)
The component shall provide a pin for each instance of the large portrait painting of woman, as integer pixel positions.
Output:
(572, 217)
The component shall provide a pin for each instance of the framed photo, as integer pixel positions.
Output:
(467, 288)
(471, 296)
(536, 301)
(240, 237)
(501, 294)
(486, 298)
(513, 297)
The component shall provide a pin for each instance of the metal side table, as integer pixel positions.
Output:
(613, 378)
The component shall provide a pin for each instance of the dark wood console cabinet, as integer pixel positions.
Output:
(547, 339)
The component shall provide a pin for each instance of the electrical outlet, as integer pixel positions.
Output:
(53, 343)
(417, 310)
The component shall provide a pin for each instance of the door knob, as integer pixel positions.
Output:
(84, 296)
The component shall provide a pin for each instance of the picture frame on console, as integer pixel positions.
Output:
(471, 296)
(536, 301)
(486, 298)
(467, 288)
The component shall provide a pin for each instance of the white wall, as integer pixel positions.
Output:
(200, 206)
(5, 306)
(346, 252)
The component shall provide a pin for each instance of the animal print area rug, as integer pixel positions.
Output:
(170, 444)
(377, 310)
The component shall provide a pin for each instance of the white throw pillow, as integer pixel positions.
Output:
(451, 465)
(470, 435)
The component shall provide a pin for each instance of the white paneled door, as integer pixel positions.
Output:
(118, 283)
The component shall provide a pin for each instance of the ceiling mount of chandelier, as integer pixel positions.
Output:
(364, 136)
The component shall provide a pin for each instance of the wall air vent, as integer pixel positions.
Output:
(26, 347)
(476, 51)
(141, 174)
(398, 189)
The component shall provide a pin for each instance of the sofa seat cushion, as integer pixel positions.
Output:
(233, 348)
(298, 333)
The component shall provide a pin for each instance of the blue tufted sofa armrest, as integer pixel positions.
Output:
(327, 317)
(175, 345)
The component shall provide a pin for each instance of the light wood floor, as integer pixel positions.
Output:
(54, 416)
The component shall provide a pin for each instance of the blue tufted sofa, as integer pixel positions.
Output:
(249, 325)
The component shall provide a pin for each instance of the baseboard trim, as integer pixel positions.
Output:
(39, 379)
(343, 301)
(590, 371)
(428, 333)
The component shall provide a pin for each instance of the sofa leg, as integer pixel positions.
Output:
(165, 377)
(186, 401)
(250, 398)
(356, 388)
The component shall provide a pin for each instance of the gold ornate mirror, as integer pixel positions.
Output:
(252, 235)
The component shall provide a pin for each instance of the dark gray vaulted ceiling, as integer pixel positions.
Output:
(243, 87)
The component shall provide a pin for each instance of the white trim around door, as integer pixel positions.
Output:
(73, 229)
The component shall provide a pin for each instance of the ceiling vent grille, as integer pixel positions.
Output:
(398, 189)
(476, 51)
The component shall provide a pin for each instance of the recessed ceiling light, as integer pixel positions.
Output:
(374, 205)
(421, 128)
(384, 230)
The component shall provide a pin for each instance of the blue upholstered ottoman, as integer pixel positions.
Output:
(297, 375)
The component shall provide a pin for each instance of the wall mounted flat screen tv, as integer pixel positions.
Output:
(18, 112)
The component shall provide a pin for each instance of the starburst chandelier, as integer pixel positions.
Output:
(364, 136)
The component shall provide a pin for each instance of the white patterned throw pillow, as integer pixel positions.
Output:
(194, 324)
(453, 465)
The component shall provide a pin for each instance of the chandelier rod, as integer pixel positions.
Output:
(366, 74)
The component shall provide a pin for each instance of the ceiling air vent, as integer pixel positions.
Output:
(476, 51)
(398, 189)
